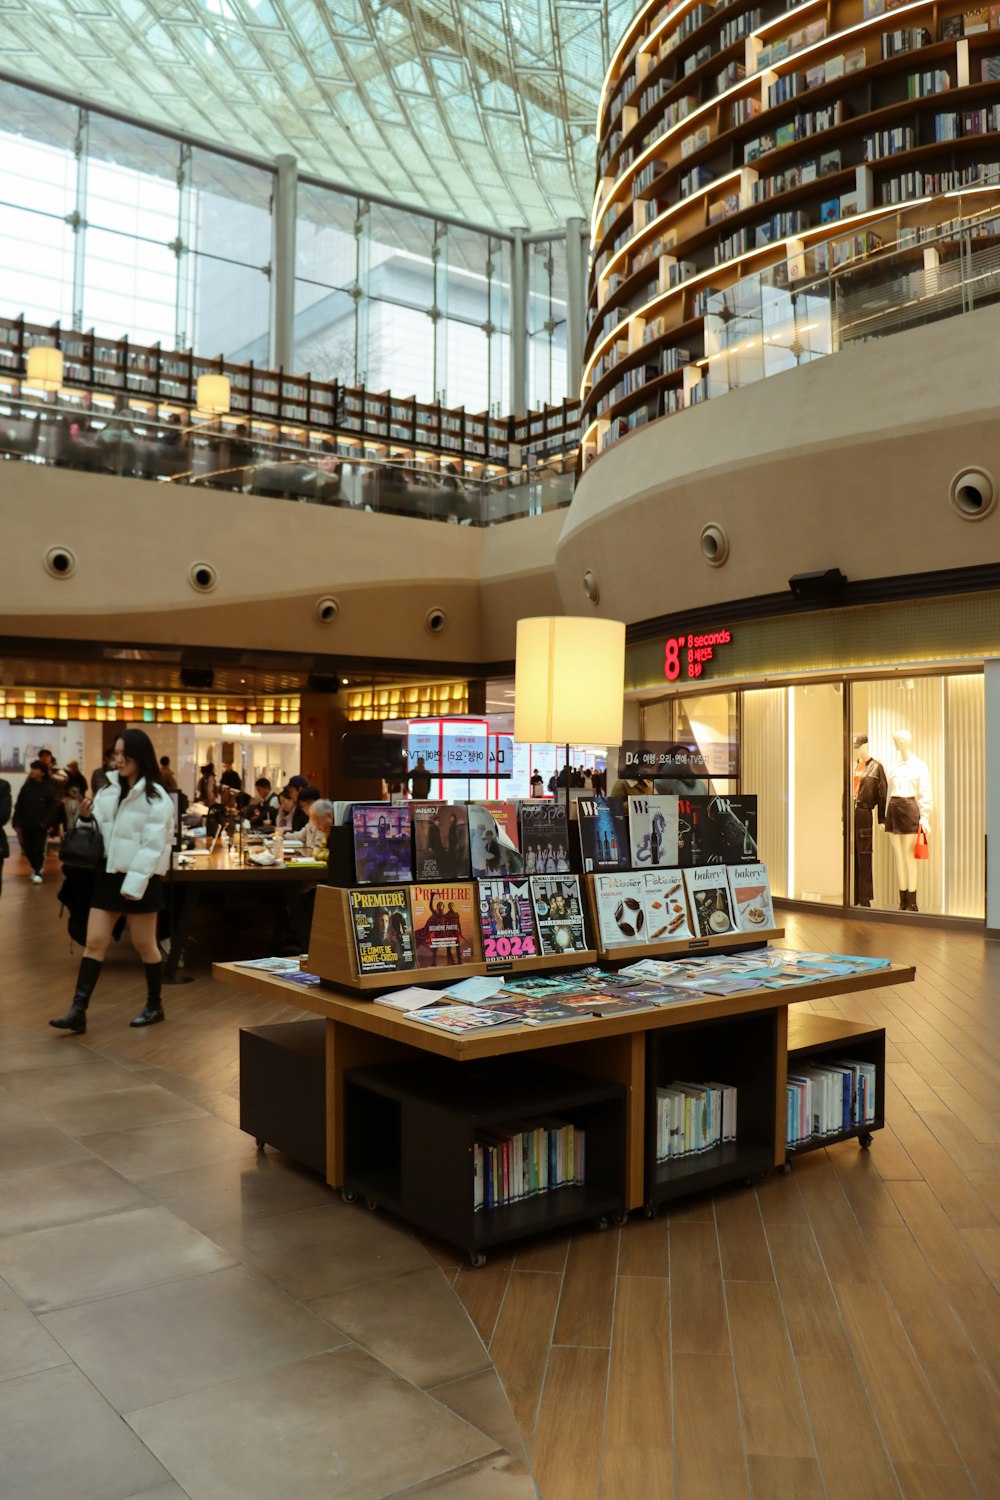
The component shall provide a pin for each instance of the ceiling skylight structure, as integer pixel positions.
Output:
(482, 109)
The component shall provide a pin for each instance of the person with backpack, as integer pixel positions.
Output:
(34, 814)
(135, 818)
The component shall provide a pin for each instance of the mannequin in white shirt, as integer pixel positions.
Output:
(907, 813)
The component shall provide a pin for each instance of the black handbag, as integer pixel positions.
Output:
(83, 847)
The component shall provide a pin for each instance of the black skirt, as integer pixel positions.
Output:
(902, 815)
(108, 895)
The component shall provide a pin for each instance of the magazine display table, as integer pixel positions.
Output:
(748, 1031)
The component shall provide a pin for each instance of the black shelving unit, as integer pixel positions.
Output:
(738, 1050)
(410, 1133)
(819, 1039)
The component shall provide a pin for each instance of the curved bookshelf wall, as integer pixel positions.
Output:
(752, 151)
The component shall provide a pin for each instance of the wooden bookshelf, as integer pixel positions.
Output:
(811, 1039)
(649, 158)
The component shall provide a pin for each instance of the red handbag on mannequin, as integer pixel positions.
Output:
(921, 849)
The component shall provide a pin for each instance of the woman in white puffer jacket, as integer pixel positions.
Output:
(136, 819)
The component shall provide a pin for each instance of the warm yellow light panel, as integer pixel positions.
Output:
(569, 681)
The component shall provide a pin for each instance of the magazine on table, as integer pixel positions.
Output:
(507, 920)
(558, 913)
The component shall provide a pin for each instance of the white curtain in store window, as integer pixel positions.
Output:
(764, 770)
(965, 864)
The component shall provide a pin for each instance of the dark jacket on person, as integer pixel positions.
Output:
(36, 805)
(4, 817)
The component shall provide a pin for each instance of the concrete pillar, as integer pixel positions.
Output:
(518, 325)
(286, 182)
(576, 303)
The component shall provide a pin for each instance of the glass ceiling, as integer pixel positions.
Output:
(483, 109)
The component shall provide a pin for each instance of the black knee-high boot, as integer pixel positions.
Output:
(153, 1010)
(75, 1018)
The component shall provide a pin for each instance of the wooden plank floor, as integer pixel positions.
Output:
(834, 1332)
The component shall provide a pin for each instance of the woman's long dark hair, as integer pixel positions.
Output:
(139, 747)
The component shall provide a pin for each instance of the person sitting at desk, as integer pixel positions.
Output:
(300, 818)
(231, 777)
(316, 834)
(287, 801)
(263, 808)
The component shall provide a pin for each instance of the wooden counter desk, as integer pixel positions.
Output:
(188, 882)
(362, 1033)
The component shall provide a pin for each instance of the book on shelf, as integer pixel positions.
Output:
(729, 832)
(653, 832)
(751, 892)
(603, 830)
(829, 1098)
(507, 920)
(445, 918)
(382, 842)
(492, 849)
(544, 836)
(558, 913)
(692, 1118)
(667, 918)
(525, 1161)
(440, 841)
(620, 903)
(383, 933)
(709, 900)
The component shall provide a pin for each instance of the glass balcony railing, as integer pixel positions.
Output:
(891, 276)
(216, 457)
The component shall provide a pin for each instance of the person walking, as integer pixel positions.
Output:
(136, 821)
(4, 820)
(166, 774)
(34, 814)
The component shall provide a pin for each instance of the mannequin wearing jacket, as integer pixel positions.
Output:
(136, 821)
(907, 813)
(870, 792)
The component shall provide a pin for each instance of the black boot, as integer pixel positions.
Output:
(75, 1018)
(904, 900)
(911, 897)
(153, 1010)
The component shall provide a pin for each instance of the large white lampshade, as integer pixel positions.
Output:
(45, 368)
(569, 681)
(212, 395)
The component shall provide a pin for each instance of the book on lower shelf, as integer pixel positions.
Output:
(507, 921)
(709, 899)
(558, 914)
(445, 918)
(383, 933)
(751, 894)
(829, 1099)
(510, 1166)
(692, 1118)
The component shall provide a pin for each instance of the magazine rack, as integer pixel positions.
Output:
(333, 956)
(669, 947)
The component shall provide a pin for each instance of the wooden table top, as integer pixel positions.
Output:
(217, 867)
(369, 1015)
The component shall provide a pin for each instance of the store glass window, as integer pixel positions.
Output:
(927, 735)
(793, 758)
(707, 721)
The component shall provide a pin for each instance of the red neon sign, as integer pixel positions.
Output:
(687, 654)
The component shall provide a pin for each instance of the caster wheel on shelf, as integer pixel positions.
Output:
(620, 1218)
(864, 1141)
(748, 1182)
(602, 1222)
(649, 1210)
(785, 1168)
(477, 1258)
(347, 1195)
(371, 1205)
(260, 1143)
(763, 1176)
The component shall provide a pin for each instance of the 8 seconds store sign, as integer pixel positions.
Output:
(687, 655)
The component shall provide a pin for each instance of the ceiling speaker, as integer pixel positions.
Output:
(197, 677)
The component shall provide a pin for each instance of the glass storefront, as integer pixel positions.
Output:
(824, 760)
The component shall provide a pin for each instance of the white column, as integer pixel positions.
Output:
(518, 325)
(992, 762)
(576, 303)
(286, 182)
